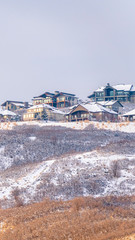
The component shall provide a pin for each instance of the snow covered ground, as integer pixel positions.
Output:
(66, 177)
(128, 127)
(122, 126)
(60, 163)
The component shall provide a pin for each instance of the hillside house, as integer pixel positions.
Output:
(112, 105)
(43, 111)
(65, 99)
(91, 111)
(120, 92)
(7, 115)
(57, 99)
(130, 116)
(45, 98)
(14, 105)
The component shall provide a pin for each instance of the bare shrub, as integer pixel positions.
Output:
(115, 169)
(17, 198)
(78, 219)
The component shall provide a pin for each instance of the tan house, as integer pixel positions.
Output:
(43, 111)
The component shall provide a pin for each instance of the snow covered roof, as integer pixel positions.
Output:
(67, 110)
(38, 98)
(95, 108)
(101, 89)
(56, 110)
(118, 87)
(7, 113)
(133, 89)
(123, 87)
(41, 106)
(19, 104)
(109, 103)
(130, 113)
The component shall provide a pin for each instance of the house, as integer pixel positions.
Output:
(91, 111)
(14, 105)
(65, 99)
(45, 98)
(120, 92)
(43, 111)
(130, 116)
(56, 99)
(8, 115)
(112, 104)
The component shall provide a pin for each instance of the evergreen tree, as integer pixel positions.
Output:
(44, 115)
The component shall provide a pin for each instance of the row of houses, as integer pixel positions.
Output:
(105, 104)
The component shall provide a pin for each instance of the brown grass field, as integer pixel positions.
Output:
(79, 219)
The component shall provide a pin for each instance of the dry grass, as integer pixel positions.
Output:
(80, 219)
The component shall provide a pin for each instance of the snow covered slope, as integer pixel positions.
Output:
(93, 173)
(62, 163)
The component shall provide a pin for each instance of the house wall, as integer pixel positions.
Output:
(46, 100)
(132, 98)
(112, 94)
(63, 101)
(36, 114)
(78, 116)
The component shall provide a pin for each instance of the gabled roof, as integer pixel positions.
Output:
(118, 87)
(54, 95)
(44, 95)
(14, 102)
(46, 106)
(130, 113)
(7, 113)
(57, 93)
(94, 108)
(101, 89)
(123, 87)
(109, 103)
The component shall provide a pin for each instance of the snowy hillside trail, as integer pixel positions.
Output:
(62, 163)
(85, 174)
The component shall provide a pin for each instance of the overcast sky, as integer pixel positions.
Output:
(67, 45)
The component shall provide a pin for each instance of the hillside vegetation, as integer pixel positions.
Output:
(61, 163)
(79, 219)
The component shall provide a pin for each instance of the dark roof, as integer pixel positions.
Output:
(54, 95)
(63, 93)
(46, 94)
(9, 101)
(92, 95)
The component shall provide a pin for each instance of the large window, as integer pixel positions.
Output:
(99, 94)
(120, 92)
(111, 93)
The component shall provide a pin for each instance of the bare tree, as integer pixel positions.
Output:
(115, 168)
